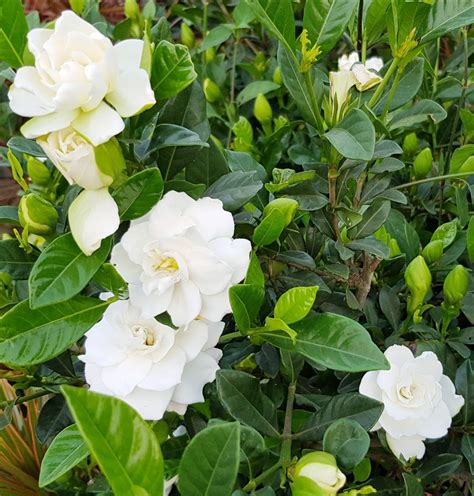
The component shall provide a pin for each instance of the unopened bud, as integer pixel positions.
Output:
(418, 280)
(37, 214)
(210, 54)
(262, 109)
(277, 79)
(187, 36)
(37, 171)
(423, 163)
(131, 9)
(287, 206)
(433, 251)
(410, 144)
(455, 285)
(211, 91)
(242, 129)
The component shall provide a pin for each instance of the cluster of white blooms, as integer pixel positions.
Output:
(77, 93)
(180, 258)
(419, 401)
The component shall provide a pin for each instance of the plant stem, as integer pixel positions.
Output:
(314, 102)
(285, 451)
(205, 15)
(360, 28)
(385, 80)
(432, 179)
(24, 399)
(392, 92)
(230, 336)
(232, 82)
(252, 484)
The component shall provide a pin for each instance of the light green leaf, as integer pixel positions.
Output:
(28, 337)
(334, 341)
(62, 271)
(242, 396)
(295, 304)
(245, 300)
(253, 89)
(172, 69)
(210, 461)
(216, 36)
(354, 136)
(270, 228)
(64, 453)
(139, 194)
(13, 31)
(124, 446)
(326, 21)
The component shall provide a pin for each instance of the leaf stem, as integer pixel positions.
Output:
(252, 484)
(230, 336)
(24, 399)
(285, 451)
(314, 102)
(432, 179)
(385, 80)
(392, 92)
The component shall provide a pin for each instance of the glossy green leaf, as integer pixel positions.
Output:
(62, 271)
(422, 111)
(295, 304)
(270, 228)
(334, 341)
(374, 20)
(53, 418)
(354, 136)
(210, 462)
(209, 165)
(446, 16)
(438, 467)
(326, 21)
(467, 449)
(465, 387)
(347, 441)
(277, 17)
(14, 260)
(373, 218)
(110, 280)
(470, 239)
(172, 69)
(412, 484)
(245, 300)
(242, 396)
(353, 406)
(216, 36)
(252, 90)
(30, 336)
(139, 194)
(124, 446)
(235, 189)
(9, 215)
(404, 233)
(64, 453)
(13, 31)
(171, 135)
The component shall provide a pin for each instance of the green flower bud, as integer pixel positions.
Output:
(418, 280)
(211, 91)
(262, 109)
(187, 35)
(433, 251)
(37, 171)
(410, 144)
(37, 214)
(132, 10)
(394, 248)
(287, 206)
(242, 129)
(210, 54)
(260, 62)
(423, 163)
(77, 6)
(277, 76)
(455, 285)
(316, 474)
(279, 122)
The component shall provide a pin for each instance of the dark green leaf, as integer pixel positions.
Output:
(253, 89)
(405, 234)
(374, 217)
(245, 300)
(465, 387)
(235, 189)
(439, 467)
(53, 418)
(210, 462)
(209, 165)
(130, 458)
(13, 31)
(9, 215)
(62, 271)
(413, 486)
(109, 279)
(467, 449)
(422, 111)
(14, 260)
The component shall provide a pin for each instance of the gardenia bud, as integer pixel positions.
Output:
(423, 163)
(211, 91)
(317, 474)
(243, 130)
(37, 214)
(131, 9)
(262, 109)
(37, 171)
(455, 285)
(277, 79)
(410, 144)
(287, 206)
(433, 251)
(210, 54)
(187, 36)
(418, 280)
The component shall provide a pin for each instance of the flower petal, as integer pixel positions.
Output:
(166, 373)
(185, 304)
(151, 304)
(151, 405)
(38, 126)
(222, 224)
(130, 271)
(369, 387)
(214, 307)
(99, 125)
(407, 446)
(93, 216)
(234, 252)
(123, 377)
(453, 401)
(192, 338)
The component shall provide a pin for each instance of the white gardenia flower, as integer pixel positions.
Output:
(181, 259)
(77, 70)
(93, 216)
(340, 84)
(149, 365)
(419, 401)
(345, 62)
(75, 158)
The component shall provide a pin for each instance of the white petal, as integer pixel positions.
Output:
(234, 252)
(374, 63)
(407, 446)
(365, 79)
(185, 304)
(368, 386)
(102, 347)
(69, 22)
(29, 96)
(93, 375)
(196, 375)
(438, 423)
(215, 330)
(152, 304)
(99, 125)
(37, 38)
(178, 408)
(192, 338)
(345, 62)
(210, 274)
(134, 240)
(398, 355)
(214, 307)
(166, 373)
(151, 405)
(453, 401)
(129, 270)
(211, 219)
(167, 216)
(93, 216)
(340, 84)
(428, 363)
(38, 126)
(122, 378)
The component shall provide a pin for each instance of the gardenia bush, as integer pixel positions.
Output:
(240, 260)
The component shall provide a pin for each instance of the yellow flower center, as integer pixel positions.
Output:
(144, 333)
